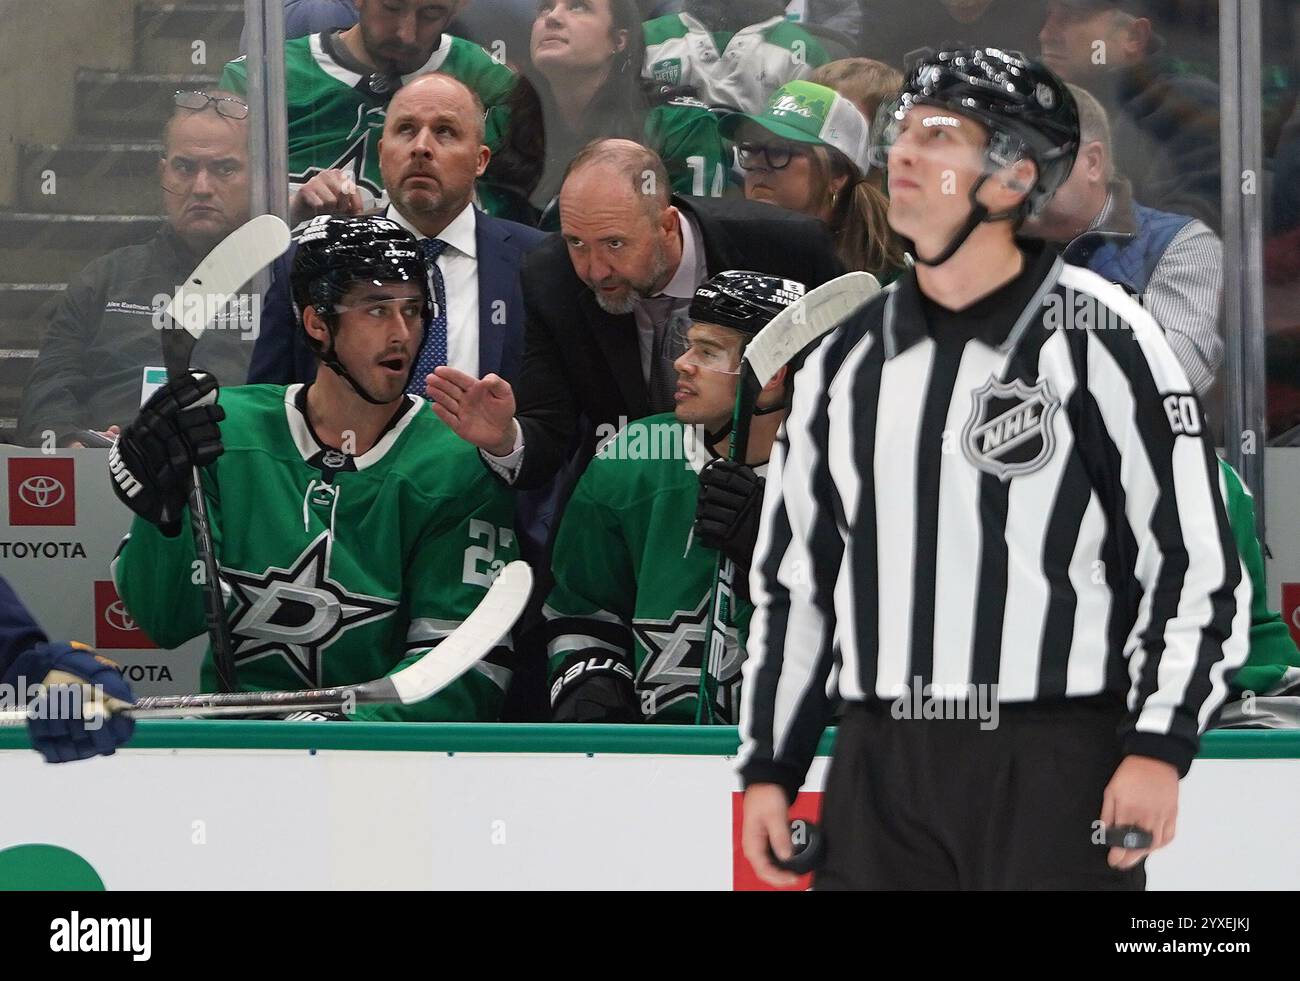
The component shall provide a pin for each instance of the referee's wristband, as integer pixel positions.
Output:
(787, 777)
(1172, 750)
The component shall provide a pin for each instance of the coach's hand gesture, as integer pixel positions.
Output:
(479, 411)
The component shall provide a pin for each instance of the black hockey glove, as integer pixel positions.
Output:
(727, 509)
(151, 461)
(600, 698)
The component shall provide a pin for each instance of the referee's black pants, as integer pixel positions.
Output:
(942, 804)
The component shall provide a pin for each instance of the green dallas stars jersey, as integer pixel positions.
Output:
(631, 585)
(339, 569)
(334, 122)
(739, 70)
(1274, 662)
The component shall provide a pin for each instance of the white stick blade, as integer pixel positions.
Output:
(802, 322)
(238, 257)
(472, 640)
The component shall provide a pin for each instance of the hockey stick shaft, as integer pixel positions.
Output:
(176, 358)
(235, 260)
(724, 570)
(459, 651)
(789, 333)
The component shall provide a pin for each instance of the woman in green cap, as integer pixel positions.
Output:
(807, 151)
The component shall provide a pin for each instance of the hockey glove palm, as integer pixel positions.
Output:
(66, 720)
(727, 509)
(176, 430)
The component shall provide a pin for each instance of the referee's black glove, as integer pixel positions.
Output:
(727, 509)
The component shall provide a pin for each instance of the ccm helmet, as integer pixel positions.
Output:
(334, 253)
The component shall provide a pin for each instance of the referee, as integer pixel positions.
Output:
(993, 525)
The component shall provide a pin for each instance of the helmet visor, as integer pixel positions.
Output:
(706, 346)
(941, 142)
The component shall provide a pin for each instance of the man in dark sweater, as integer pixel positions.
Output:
(104, 334)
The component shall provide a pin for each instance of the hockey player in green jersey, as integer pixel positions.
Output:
(338, 85)
(354, 531)
(633, 574)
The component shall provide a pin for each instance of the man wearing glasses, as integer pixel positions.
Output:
(101, 354)
(626, 619)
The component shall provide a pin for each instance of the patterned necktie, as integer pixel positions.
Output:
(433, 350)
(663, 376)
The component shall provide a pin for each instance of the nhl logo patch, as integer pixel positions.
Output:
(1009, 432)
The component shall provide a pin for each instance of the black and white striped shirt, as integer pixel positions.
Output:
(1032, 506)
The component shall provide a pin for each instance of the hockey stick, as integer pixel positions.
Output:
(469, 643)
(785, 336)
(239, 257)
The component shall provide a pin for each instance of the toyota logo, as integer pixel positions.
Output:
(41, 491)
(117, 617)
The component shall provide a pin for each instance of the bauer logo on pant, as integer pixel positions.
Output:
(1009, 431)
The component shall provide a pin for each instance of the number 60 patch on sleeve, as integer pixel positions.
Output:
(1184, 414)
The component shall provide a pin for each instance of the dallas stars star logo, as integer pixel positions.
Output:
(297, 612)
(674, 651)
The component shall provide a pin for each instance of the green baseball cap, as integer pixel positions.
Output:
(805, 112)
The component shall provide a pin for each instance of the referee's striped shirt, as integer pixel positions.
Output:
(1032, 507)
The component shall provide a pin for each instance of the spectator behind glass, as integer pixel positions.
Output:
(863, 81)
(484, 23)
(846, 20)
(1165, 123)
(338, 85)
(730, 53)
(895, 28)
(1172, 263)
(583, 85)
(807, 152)
(104, 332)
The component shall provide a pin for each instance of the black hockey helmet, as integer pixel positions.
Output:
(743, 301)
(1027, 109)
(334, 253)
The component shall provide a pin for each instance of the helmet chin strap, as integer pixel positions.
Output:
(331, 360)
(979, 214)
(721, 434)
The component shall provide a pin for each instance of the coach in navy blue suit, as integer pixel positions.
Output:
(431, 153)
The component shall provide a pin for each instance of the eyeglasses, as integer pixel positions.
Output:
(776, 156)
(224, 104)
(702, 352)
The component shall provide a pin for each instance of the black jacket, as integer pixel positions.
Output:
(582, 362)
(103, 333)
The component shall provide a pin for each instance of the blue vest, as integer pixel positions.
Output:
(1128, 259)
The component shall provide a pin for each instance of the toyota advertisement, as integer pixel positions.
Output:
(60, 527)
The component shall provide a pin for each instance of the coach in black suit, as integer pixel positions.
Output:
(601, 300)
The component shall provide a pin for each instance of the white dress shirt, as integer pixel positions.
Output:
(459, 266)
